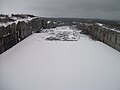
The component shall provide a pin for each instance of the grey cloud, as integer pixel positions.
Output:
(108, 9)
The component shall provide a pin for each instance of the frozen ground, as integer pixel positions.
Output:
(62, 64)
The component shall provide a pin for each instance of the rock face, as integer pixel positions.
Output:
(118, 42)
(1, 40)
(13, 33)
(36, 25)
(106, 35)
(23, 30)
(9, 36)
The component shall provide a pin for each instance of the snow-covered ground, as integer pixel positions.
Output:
(61, 34)
(39, 64)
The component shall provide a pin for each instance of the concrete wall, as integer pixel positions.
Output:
(14, 33)
(105, 35)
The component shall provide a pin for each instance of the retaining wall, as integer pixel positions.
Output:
(105, 35)
(14, 33)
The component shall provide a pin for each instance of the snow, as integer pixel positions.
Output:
(112, 29)
(48, 22)
(38, 64)
(62, 34)
(16, 21)
(100, 24)
(2, 17)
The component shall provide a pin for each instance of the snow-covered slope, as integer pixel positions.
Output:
(38, 64)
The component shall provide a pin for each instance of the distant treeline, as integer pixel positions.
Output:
(83, 20)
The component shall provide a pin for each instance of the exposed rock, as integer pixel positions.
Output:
(107, 35)
(13, 33)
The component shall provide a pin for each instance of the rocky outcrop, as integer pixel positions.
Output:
(106, 35)
(14, 33)
(23, 30)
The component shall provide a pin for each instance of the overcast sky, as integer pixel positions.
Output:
(107, 9)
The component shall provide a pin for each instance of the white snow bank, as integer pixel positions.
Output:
(64, 33)
(112, 29)
(36, 64)
(16, 21)
(48, 22)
